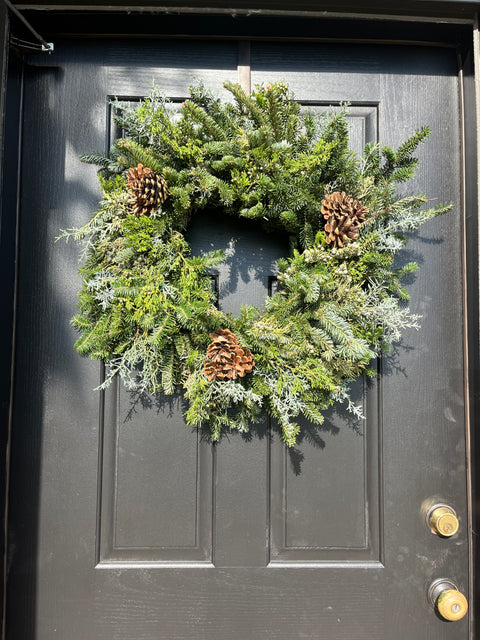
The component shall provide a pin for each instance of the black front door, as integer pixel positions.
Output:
(118, 534)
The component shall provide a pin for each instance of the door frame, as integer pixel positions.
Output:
(445, 23)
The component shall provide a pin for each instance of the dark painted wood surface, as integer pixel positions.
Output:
(115, 533)
(471, 195)
(446, 8)
(5, 248)
(76, 22)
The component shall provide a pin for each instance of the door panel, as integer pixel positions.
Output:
(125, 523)
(134, 498)
(324, 494)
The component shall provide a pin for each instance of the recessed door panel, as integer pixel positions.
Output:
(125, 523)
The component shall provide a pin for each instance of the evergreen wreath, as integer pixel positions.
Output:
(146, 304)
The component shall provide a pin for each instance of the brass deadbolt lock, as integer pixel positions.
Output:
(443, 520)
(449, 602)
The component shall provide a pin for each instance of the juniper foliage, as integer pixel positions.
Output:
(145, 305)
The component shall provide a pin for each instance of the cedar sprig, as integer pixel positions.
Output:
(146, 306)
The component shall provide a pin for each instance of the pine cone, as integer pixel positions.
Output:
(148, 189)
(344, 217)
(226, 358)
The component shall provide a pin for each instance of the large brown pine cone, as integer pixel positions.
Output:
(148, 189)
(226, 358)
(344, 217)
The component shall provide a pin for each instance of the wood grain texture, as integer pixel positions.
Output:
(155, 503)
(447, 8)
(54, 588)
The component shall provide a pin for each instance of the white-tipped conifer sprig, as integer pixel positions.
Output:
(146, 306)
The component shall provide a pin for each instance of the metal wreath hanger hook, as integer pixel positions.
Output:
(44, 47)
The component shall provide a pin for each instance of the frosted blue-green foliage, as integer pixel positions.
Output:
(145, 306)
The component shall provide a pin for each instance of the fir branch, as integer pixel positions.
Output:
(246, 104)
(198, 115)
(139, 155)
(146, 306)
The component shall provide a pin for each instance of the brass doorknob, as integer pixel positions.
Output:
(443, 520)
(449, 602)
